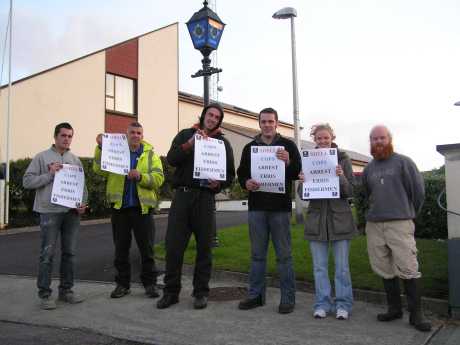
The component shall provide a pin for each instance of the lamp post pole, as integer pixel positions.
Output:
(206, 28)
(291, 13)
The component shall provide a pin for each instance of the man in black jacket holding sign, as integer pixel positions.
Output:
(269, 215)
(192, 209)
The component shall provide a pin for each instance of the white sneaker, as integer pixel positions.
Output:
(319, 314)
(342, 314)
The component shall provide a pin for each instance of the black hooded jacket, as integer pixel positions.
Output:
(181, 155)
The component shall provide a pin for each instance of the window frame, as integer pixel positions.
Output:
(118, 112)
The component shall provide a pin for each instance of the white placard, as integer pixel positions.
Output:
(68, 186)
(115, 155)
(321, 180)
(267, 169)
(210, 160)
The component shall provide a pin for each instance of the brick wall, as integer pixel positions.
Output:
(117, 123)
(121, 60)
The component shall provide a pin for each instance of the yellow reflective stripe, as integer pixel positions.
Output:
(157, 170)
(149, 184)
(149, 162)
(147, 201)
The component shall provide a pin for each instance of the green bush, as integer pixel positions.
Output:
(431, 222)
(235, 191)
(22, 200)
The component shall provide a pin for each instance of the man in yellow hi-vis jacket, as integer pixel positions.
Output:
(133, 197)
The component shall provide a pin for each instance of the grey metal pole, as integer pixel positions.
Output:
(295, 98)
(8, 120)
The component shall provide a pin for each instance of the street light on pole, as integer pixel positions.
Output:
(291, 13)
(205, 28)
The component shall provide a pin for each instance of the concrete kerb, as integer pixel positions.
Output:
(432, 306)
(83, 222)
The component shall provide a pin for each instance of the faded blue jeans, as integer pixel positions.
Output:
(342, 281)
(52, 225)
(262, 225)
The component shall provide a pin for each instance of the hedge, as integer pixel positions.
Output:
(22, 200)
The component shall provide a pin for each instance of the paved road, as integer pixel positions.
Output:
(17, 333)
(19, 252)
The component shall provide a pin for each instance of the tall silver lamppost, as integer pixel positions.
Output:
(291, 13)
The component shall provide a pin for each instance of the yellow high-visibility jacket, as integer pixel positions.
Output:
(148, 188)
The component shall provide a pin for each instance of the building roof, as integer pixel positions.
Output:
(306, 144)
(188, 97)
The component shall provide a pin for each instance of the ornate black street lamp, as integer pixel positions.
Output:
(205, 28)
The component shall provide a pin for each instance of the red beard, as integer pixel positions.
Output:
(381, 152)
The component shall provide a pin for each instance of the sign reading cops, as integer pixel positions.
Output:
(321, 180)
(115, 153)
(267, 169)
(68, 186)
(210, 160)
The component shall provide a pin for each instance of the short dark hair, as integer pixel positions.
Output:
(58, 127)
(135, 124)
(269, 111)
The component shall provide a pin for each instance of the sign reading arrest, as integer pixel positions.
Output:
(210, 160)
(68, 186)
(115, 153)
(321, 180)
(267, 169)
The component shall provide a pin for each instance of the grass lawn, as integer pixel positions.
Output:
(233, 254)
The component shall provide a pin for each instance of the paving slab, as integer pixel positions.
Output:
(135, 318)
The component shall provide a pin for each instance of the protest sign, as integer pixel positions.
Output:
(115, 153)
(321, 180)
(210, 160)
(68, 186)
(267, 169)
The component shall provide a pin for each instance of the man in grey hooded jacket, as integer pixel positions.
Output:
(55, 219)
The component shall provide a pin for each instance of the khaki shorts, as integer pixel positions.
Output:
(392, 250)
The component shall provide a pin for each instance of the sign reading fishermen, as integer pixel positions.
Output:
(267, 169)
(115, 153)
(210, 159)
(321, 180)
(68, 186)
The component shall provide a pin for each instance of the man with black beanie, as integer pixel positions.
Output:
(192, 209)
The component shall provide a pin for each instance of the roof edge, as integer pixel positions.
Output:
(198, 100)
(86, 55)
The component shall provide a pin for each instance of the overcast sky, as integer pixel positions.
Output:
(360, 62)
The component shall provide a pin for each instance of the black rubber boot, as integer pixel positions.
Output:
(393, 299)
(414, 303)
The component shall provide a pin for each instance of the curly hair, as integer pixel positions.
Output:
(321, 127)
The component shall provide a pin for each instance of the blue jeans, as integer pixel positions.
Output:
(343, 289)
(262, 224)
(51, 225)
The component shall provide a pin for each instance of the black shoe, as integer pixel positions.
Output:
(151, 291)
(167, 300)
(200, 302)
(251, 303)
(119, 292)
(285, 308)
(414, 304)
(393, 293)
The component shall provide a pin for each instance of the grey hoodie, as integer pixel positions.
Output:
(38, 177)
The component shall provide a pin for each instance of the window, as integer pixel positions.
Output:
(120, 94)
